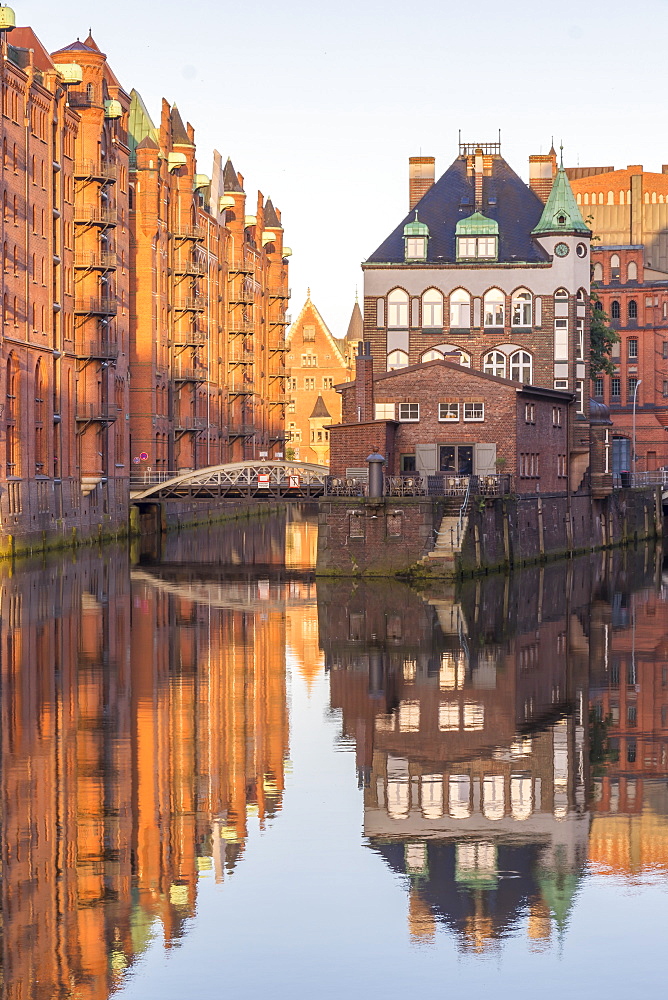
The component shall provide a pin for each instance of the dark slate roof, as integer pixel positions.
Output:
(517, 211)
(147, 143)
(320, 409)
(77, 46)
(270, 217)
(179, 135)
(230, 179)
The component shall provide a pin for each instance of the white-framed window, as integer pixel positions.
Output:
(521, 308)
(561, 383)
(632, 344)
(580, 341)
(598, 271)
(416, 248)
(561, 340)
(291, 406)
(474, 411)
(448, 411)
(308, 332)
(476, 247)
(384, 411)
(632, 271)
(494, 307)
(460, 309)
(556, 416)
(530, 413)
(432, 308)
(494, 363)
(409, 412)
(432, 355)
(397, 359)
(309, 384)
(448, 716)
(579, 396)
(397, 308)
(614, 267)
(521, 367)
(293, 384)
(561, 295)
(327, 382)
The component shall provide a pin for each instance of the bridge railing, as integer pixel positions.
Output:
(657, 477)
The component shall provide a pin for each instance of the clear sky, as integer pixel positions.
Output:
(320, 105)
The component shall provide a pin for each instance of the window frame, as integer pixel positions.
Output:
(448, 419)
(497, 299)
(519, 300)
(408, 419)
(473, 419)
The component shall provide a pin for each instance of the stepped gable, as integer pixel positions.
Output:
(506, 199)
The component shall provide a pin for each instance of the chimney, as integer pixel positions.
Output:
(364, 381)
(478, 168)
(542, 170)
(420, 177)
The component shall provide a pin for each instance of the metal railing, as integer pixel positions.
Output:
(96, 348)
(97, 307)
(657, 477)
(188, 233)
(91, 412)
(149, 477)
(346, 486)
(190, 267)
(405, 486)
(94, 171)
(90, 260)
(190, 423)
(188, 338)
(190, 374)
(191, 303)
(87, 215)
(241, 430)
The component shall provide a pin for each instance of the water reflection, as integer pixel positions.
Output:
(510, 741)
(507, 737)
(144, 728)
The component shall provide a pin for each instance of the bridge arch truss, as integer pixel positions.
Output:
(239, 480)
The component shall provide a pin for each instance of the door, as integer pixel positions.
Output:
(456, 460)
(485, 459)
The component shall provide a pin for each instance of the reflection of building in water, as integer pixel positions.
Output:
(301, 540)
(629, 713)
(470, 724)
(141, 731)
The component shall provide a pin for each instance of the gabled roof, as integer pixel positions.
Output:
(25, 38)
(91, 43)
(230, 179)
(77, 46)
(337, 345)
(147, 143)
(320, 410)
(270, 217)
(506, 199)
(561, 213)
(179, 135)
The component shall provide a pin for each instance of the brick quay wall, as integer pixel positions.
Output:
(389, 536)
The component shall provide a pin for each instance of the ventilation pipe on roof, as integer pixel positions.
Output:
(478, 167)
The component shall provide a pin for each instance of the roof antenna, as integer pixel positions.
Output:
(356, 296)
(561, 155)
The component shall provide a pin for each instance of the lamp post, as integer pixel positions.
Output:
(634, 457)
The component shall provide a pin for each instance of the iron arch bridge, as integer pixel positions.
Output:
(237, 480)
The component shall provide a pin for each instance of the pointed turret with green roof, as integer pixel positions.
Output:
(561, 213)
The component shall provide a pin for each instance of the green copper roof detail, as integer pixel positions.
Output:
(140, 125)
(416, 228)
(561, 213)
(477, 225)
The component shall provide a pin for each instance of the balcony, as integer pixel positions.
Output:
(190, 375)
(284, 293)
(96, 347)
(241, 430)
(193, 267)
(85, 215)
(80, 99)
(88, 170)
(189, 423)
(243, 265)
(95, 307)
(192, 303)
(87, 260)
(190, 338)
(101, 413)
(188, 233)
(278, 348)
(240, 327)
(241, 384)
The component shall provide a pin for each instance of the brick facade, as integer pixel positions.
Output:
(523, 430)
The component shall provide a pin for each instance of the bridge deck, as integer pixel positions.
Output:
(239, 480)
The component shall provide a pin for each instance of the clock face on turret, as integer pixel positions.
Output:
(562, 249)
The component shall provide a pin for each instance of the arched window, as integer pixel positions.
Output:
(633, 309)
(431, 795)
(40, 462)
(586, 198)
(460, 309)
(632, 271)
(432, 308)
(459, 789)
(598, 272)
(615, 310)
(611, 198)
(495, 308)
(578, 198)
(12, 416)
(521, 308)
(621, 197)
(493, 796)
(561, 295)
(614, 267)
(520, 797)
(397, 359)
(90, 92)
(494, 363)
(432, 355)
(521, 367)
(397, 308)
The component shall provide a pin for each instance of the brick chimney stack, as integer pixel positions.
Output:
(542, 171)
(478, 172)
(421, 171)
(364, 381)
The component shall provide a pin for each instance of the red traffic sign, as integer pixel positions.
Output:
(143, 456)
(294, 482)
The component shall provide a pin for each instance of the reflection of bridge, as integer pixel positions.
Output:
(237, 480)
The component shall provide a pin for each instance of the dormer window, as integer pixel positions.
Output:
(416, 236)
(477, 238)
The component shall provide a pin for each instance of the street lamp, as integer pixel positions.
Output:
(635, 396)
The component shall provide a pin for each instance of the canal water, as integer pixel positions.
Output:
(223, 778)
